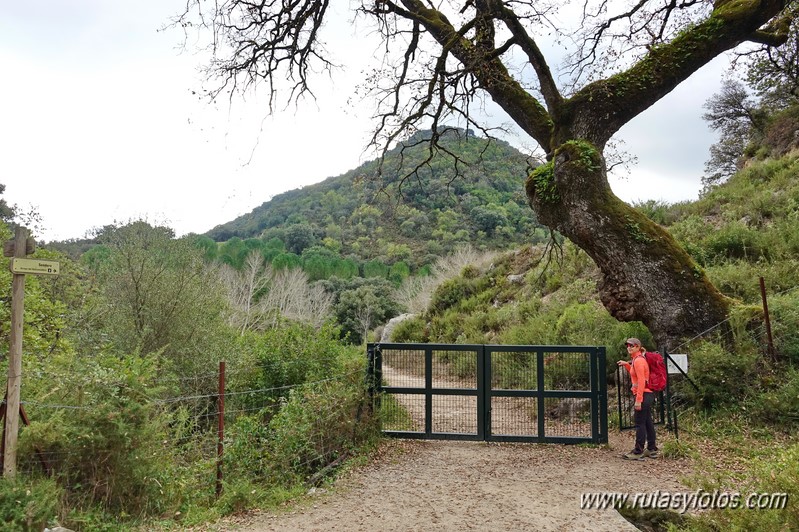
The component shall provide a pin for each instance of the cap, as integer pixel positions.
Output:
(633, 341)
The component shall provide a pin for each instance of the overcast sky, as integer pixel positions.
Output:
(99, 124)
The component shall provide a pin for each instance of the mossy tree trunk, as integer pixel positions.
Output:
(647, 276)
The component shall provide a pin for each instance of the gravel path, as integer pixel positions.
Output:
(437, 485)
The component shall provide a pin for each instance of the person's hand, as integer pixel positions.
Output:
(637, 405)
(620, 363)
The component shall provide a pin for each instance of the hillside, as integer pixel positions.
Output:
(398, 214)
(738, 231)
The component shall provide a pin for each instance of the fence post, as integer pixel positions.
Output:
(370, 373)
(602, 374)
(771, 351)
(220, 446)
(20, 250)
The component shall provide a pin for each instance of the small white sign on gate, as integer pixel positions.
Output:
(677, 361)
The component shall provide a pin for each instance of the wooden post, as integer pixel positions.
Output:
(220, 446)
(15, 359)
(771, 350)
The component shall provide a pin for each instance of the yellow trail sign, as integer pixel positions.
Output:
(35, 266)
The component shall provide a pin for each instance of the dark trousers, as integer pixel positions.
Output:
(644, 426)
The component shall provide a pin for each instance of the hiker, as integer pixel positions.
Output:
(644, 399)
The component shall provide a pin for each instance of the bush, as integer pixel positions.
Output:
(783, 311)
(450, 294)
(775, 475)
(780, 405)
(584, 324)
(737, 241)
(108, 448)
(319, 426)
(245, 452)
(286, 356)
(411, 330)
(28, 505)
(723, 377)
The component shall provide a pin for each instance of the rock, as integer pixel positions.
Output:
(392, 324)
(516, 279)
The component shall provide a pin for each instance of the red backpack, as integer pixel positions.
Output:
(657, 371)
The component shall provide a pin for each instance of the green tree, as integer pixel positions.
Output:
(275, 243)
(6, 211)
(159, 295)
(740, 120)
(774, 72)
(488, 217)
(286, 261)
(233, 252)
(399, 272)
(345, 269)
(318, 262)
(208, 246)
(362, 304)
(627, 57)
(375, 268)
(298, 237)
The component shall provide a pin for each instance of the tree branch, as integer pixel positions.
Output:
(602, 107)
(549, 89)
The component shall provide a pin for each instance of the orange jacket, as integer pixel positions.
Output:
(639, 373)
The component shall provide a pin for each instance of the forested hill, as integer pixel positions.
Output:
(367, 214)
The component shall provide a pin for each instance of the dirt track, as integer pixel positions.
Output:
(415, 485)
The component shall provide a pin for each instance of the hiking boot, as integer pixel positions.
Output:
(632, 455)
(651, 454)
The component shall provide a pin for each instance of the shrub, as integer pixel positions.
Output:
(722, 376)
(411, 330)
(28, 505)
(108, 447)
(783, 311)
(584, 324)
(737, 241)
(285, 356)
(775, 475)
(319, 426)
(779, 405)
(450, 293)
(245, 452)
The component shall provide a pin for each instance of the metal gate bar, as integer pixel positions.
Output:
(414, 371)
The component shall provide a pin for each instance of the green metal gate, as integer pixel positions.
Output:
(541, 394)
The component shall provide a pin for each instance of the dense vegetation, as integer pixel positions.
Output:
(120, 380)
(408, 211)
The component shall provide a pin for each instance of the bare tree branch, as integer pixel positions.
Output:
(270, 41)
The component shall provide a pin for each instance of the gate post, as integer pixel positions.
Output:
(373, 374)
(428, 391)
(602, 401)
(483, 393)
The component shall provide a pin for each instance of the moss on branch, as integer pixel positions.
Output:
(540, 184)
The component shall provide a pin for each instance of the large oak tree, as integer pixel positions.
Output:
(449, 55)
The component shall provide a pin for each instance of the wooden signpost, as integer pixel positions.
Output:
(18, 248)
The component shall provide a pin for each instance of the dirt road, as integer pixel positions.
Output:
(416, 485)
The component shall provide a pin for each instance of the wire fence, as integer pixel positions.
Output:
(198, 433)
(753, 342)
